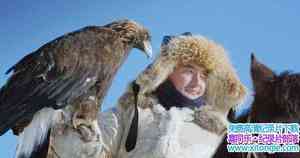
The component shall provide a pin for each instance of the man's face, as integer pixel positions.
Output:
(189, 80)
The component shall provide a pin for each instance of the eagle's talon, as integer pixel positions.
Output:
(87, 133)
(78, 120)
(84, 127)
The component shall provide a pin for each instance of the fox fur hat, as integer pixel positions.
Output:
(224, 89)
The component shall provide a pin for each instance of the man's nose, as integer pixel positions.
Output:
(195, 80)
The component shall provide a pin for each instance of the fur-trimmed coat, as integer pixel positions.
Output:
(178, 132)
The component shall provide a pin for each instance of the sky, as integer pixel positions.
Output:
(268, 28)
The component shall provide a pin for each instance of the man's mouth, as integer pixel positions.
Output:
(193, 91)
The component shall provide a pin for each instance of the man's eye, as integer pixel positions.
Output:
(189, 71)
(203, 76)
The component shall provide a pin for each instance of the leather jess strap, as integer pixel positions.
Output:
(133, 131)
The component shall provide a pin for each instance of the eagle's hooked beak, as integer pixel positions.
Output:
(147, 48)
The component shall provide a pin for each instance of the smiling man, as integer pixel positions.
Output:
(184, 87)
(189, 80)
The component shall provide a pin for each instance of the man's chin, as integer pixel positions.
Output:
(191, 96)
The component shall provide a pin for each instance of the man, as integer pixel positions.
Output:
(177, 107)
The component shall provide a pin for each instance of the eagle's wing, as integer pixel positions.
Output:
(55, 74)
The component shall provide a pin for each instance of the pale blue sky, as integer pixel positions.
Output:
(269, 28)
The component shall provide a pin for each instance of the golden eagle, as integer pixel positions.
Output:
(69, 69)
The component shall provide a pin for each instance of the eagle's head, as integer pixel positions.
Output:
(133, 34)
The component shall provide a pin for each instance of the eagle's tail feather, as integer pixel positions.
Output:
(34, 140)
(40, 150)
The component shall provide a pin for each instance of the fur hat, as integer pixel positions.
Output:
(224, 89)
